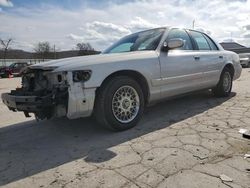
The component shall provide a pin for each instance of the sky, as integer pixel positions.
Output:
(64, 23)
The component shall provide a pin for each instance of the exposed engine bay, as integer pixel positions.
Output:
(43, 93)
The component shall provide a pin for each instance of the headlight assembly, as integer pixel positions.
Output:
(81, 75)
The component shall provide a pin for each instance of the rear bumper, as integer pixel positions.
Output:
(244, 63)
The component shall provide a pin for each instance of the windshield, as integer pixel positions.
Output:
(145, 40)
(12, 65)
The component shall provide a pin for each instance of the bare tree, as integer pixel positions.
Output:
(83, 48)
(43, 49)
(5, 46)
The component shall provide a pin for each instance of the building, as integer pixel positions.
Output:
(235, 47)
(243, 52)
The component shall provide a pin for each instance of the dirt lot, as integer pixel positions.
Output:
(187, 142)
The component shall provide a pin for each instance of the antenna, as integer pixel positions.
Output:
(193, 24)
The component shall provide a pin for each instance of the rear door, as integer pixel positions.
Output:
(15, 68)
(209, 57)
(180, 72)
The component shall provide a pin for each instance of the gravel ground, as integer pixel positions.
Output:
(187, 142)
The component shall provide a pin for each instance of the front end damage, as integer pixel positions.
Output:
(50, 94)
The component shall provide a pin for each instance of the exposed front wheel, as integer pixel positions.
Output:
(120, 103)
(224, 87)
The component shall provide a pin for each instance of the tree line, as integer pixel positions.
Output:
(44, 50)
(5, 44)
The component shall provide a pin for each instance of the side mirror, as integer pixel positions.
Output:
(172, 44)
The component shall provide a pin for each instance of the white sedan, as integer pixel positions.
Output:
(245, 59)
(138, 70)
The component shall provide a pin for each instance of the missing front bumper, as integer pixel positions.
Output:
(75, 102)
(42, 106)
(26, 103)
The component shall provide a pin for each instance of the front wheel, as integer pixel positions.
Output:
(224, 87)
(119, 104)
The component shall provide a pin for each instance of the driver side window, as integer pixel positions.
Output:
(181, 34)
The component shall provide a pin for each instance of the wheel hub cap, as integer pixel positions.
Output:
(125, 104)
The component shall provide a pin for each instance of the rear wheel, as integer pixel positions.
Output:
(119, 104)
(224, 87)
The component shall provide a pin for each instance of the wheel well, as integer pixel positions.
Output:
(231, 68)
(138, 77)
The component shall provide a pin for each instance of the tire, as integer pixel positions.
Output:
(224, 87)
(116, 97)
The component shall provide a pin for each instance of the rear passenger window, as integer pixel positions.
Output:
(181, 34)
(200, 40)
(211, 43)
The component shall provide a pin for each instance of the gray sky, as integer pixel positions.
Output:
(66, 22)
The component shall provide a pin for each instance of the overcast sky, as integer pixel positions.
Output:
(101, 22)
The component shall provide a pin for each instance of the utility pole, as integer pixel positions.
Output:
(193, 24)
(54, 51)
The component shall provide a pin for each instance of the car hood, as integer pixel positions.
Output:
(77, 62)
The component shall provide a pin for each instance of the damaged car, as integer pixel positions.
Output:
(115, 86)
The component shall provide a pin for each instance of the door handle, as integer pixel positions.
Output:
(197, 58)
(221, 57)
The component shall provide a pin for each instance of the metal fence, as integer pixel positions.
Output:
(7, 62)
